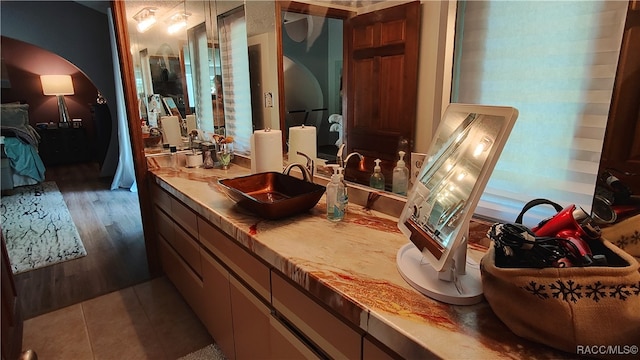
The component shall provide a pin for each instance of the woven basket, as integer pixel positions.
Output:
(572, 309)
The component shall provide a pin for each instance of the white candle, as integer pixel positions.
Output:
(302, 139)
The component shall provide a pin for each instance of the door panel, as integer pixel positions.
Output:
(381, 86)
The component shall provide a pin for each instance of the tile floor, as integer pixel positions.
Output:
(146, 321)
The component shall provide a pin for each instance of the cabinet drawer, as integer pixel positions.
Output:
(181, 275)
(161, 198)
(184, 217)
(164, 225)
(371, 351)
(331, 334)
(246, 266)
(188, 248)
(257, 333)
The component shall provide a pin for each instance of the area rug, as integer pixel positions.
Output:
(38, 228)
(210, 352)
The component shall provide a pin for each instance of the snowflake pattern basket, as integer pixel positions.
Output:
(568, 308)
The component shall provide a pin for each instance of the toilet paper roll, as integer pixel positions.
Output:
(191, 123)
(266, 151)
(302, 139)
(171, 130)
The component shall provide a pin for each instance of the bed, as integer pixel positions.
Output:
(21, 163)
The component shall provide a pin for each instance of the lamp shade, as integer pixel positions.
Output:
(56, 84)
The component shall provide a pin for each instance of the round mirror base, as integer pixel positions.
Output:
(416, 271)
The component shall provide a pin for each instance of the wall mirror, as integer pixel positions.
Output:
(352, 73)
(312, 69)
(175, 60)
(288, 46)
(263, 31)
(219, 66)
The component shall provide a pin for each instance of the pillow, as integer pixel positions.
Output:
(15, 117)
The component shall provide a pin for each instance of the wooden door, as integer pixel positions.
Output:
(621, 150)
(381, 87)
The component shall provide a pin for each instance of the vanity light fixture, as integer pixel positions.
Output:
(177, 22)
(145, 18)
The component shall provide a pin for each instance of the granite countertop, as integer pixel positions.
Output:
(351, 267)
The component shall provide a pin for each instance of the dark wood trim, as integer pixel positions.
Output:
(317, 10)
(135, 134)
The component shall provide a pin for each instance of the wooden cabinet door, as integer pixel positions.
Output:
(216, 314)
(329, 333)
(181, 275)
(257, 334)
(382, 82)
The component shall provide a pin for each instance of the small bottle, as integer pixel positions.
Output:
(400, 181)
(335, 196)
(376, 180)
(174, 157)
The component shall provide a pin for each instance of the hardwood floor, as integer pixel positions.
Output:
(110, 227)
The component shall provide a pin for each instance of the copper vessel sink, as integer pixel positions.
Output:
(272, 195)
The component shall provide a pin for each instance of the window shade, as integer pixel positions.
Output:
(235, 78)
(199, 50)
(556, 63)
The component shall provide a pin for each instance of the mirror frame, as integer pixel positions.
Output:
(135, 135)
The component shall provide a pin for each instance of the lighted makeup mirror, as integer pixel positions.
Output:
(436, 217)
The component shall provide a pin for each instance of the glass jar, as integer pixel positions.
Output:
(207, 160)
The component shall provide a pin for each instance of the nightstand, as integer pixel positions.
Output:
(64, 146)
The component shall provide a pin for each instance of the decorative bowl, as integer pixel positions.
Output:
(150, 141)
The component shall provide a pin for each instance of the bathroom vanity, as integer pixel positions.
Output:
(304, 287)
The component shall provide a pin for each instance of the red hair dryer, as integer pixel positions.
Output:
(573, 225)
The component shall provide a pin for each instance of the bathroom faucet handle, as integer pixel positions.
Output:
(310, 164)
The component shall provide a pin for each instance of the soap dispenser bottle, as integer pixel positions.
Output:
(376, 180)
(336, 196)
(400, 181)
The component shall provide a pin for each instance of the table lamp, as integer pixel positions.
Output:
(58, 85)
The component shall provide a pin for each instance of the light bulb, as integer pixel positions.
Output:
(482, 146)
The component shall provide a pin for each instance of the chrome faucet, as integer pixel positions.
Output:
(307, 170)
(343, 163)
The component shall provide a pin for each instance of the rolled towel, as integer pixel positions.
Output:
(335, 119)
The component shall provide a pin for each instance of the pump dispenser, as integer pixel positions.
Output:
(400, 176)
(376, 180)
(336, 198)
